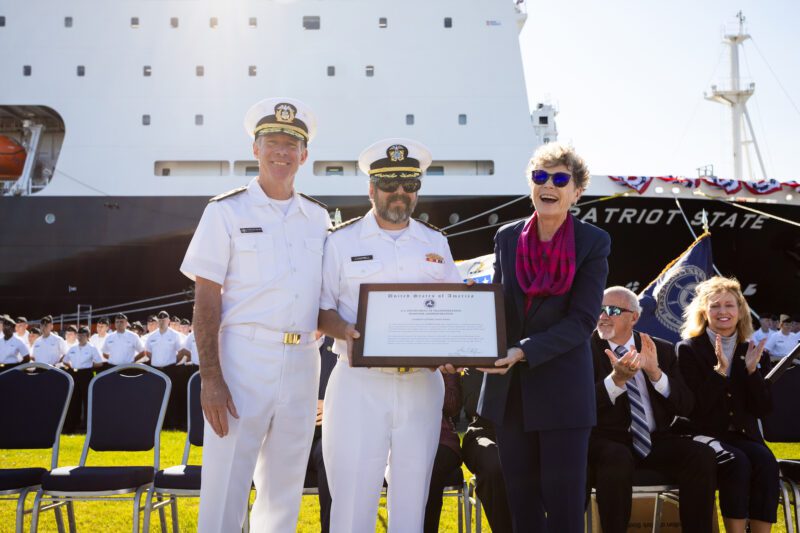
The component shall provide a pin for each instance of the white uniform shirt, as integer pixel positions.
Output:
(49, 349)
(661, 386)
(779, 345)
(12, 350)
(759, 335)
(24, 337)
(80, 357)
(122, 348)
(364, 253)
(269, 264)
(191, 345)
(164, 347)
(97, 341)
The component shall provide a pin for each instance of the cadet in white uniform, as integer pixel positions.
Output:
(21, 330)
(98, 339)
(257, 258)
(71, 336)
(81, 360)
(376, 417)
(123, 346)
(162, 347)
(12, 350)
(189, 351)
(49, 348)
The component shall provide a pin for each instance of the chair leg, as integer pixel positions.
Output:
(787, 507)
(467, 508)
(137, 502)
(796, 492)
(59, 519)
(20, 519)
(162, 514)
(460, 499)
(73, 526)
(478, 515)
(173, 504)
(657, 513)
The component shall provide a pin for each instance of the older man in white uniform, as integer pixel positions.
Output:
(256, 258)
(376, 417)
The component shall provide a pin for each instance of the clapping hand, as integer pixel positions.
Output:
(722, 362)
(753, 355)
(625, 367)
(649, 358)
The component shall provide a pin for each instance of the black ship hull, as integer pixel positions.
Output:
(62, 252)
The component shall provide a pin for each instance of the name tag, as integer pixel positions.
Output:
(361, 258)
(251, 230)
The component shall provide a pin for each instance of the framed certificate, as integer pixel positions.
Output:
(429, 324)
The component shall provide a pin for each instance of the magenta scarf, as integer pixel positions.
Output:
(545, 268)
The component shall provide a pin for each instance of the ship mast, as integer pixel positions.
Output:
(736, 97)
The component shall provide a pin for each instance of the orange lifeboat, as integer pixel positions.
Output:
(12, 159)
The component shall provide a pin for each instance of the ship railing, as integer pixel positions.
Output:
(126, 308)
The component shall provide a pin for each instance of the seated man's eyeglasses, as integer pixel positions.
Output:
(613, 310)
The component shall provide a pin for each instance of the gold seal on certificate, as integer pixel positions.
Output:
(429, 324)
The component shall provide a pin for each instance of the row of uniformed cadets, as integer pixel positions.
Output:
(270, 272)
(164, 347)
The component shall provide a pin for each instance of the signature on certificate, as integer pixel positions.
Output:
(466, 350)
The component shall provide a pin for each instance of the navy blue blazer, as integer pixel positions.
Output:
(557, 380)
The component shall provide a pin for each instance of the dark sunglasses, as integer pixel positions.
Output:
(560, 179)
(613, 310)
(409, 185)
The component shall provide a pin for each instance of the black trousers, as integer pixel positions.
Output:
(748, 485)
(175, 418)
(77, 412)
(479, 450)
(691, 464)
(317, 464)
(445, 462)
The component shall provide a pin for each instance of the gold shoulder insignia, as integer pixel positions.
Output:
(313, 200)
(228, 194)
(434, 228)
(344, 224)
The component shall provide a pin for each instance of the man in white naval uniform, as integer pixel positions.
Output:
(98, 339)
(123, 346)
(162, 347)
(376, 417)
(256, 258)
(21, 330)
(49, 348)
(13, 350)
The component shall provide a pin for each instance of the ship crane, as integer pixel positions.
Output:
(736, 98)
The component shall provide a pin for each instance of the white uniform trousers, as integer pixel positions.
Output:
(374, 417)
(274, 387)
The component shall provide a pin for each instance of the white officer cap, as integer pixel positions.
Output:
(395, 157)
(281, 115)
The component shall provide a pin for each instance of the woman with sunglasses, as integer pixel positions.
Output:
(726, 375)
(540, 397)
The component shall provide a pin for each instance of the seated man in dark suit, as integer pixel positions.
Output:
(639, 391)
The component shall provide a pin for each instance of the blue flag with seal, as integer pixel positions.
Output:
(665, 298)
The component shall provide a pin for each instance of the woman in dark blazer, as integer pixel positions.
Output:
(540, 397)
(726, 375)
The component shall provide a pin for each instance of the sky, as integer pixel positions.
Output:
(628, 77)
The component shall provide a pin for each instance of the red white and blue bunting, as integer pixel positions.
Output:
(760, 187)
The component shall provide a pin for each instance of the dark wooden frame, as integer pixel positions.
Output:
(359, 359)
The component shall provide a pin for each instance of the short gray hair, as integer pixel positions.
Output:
(633, 300)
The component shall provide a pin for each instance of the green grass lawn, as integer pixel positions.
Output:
(116, 517)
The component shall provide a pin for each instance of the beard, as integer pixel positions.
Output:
(606, 332)
(395, 214)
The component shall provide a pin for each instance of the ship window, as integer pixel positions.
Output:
(81, 70)
(410, 120)
(546, 140)
(331, 70)
(213, 22)
(165, 171)
(67, 22)
(437, 170)
(2, 21)
(198, 120)
(448, 22)
(253, 22)
(251, 70)
(543, 121)
(370, 71)
(26, 70)
(311, 22)
(383, 22)
(199, 70)
(462, 119)
(173, 22)
(147, 71)
(334, 171)
(134, 22)
(145, 120)
(251, 171)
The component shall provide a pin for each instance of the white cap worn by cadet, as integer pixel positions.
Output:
(281, 115)
(395, 158)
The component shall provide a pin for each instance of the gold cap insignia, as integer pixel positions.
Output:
(285, 113)
(397, 152)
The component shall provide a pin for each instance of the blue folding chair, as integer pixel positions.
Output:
(36, 397)
(126, 411)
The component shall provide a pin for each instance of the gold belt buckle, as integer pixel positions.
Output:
(291, 338)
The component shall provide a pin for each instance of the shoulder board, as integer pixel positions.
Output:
(313, 200)
(228, 194)
(428, 224)
(345, 224)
